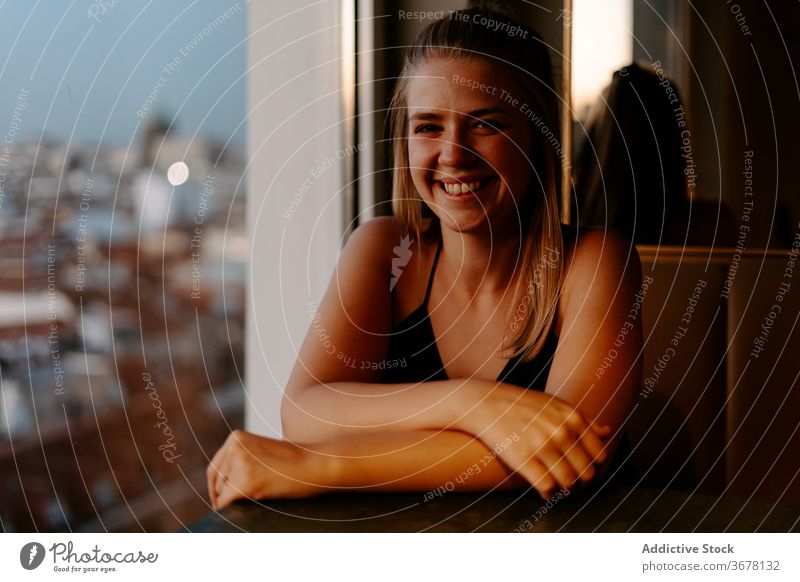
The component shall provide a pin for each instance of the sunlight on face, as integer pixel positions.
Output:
(469, 141)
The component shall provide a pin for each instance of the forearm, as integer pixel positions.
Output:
(424, 460)
(327, 411)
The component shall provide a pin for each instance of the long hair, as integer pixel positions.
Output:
(490, 34)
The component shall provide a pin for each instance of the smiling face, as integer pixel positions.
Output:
(469, 143)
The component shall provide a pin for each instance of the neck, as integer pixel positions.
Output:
(479, 265)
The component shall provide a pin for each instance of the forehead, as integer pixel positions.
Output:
(461, 85)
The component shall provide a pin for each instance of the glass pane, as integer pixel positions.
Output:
(122, 133)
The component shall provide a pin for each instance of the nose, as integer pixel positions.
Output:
(454, 150)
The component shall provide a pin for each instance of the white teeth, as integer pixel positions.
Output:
(461, 188)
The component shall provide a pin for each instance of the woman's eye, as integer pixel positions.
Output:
(489, 124)
(427, 128)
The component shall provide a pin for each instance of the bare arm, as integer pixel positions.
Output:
(322, 412)
(598, 364)
(527, 433)
(431, 462)
(416, 461)
(329, 389)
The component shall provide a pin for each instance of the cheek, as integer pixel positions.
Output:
(420, 151)
(420, 158)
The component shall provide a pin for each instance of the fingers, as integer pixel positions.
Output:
(229, 492)
(590, 435)
(237, 470)
(218, 470)
(580, 460)
(211, 478)
(543, 463)
(601, 429)
(570, 451)
(560, 469)
(231, 482)
(217, 476)
(225, 473)
(548, 470)
(594, 445)
(213, 473)
(537, 475)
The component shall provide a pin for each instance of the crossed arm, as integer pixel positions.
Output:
(345, 430)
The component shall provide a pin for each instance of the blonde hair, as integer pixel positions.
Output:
(467, 34)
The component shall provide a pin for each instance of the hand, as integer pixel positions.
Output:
(249, 466)
(555, 445)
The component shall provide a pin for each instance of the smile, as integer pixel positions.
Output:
(462, 190)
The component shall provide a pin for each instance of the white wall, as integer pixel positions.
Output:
(292, 130)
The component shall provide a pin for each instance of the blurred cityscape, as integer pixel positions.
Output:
(122, 297)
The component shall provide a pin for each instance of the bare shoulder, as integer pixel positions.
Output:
(383, 244)
(598, 259)
(594, 245)
(375, 238)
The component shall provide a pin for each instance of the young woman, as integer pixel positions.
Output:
(471, 339)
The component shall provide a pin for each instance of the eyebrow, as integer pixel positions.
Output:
(427, 116)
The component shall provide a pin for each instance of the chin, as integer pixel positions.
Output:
(464, 225)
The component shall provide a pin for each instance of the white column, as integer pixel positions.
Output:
(293, 186)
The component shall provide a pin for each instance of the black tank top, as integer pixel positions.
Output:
(414, 356)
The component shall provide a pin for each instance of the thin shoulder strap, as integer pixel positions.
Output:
(433, 270)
